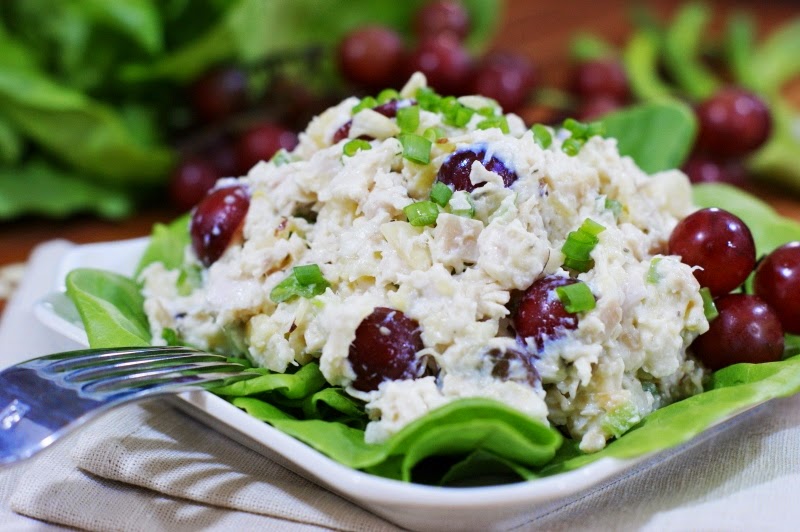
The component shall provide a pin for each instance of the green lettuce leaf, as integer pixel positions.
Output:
(111, 307)
(167, 245)
(657, 135)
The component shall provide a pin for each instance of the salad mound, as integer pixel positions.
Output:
(424, 249)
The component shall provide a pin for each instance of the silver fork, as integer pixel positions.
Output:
(45, 398)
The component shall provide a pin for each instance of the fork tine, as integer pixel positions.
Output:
(128, 366)
(88, 358)
(202, 380)
(159, 376)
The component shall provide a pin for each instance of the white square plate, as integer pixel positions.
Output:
(412, 506)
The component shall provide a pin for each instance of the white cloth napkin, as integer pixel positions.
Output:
(153, 468)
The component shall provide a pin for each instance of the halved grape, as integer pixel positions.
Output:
(540, 315)
(777, 281)
(747, 329)
(385, 348)
(455, 170)
(720, 243)
(217, 221)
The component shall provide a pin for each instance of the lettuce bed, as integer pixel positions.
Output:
(470, 441)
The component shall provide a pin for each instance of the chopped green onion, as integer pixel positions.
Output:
(428, 99)
(304, 281)
(595, 129)
(571, 146)
(441, 194)
(421, 213)
(653, 277)
(189, 278)
(308, 274)
(494, 121)
(542, 136)
(709, 308)
(352, 147)
(281, 157)
(576, 297)
(591, 227)
(416, 148)
(448, 104)
(454, 113)
(461, 204)
(579, 245)
(614, 206)
(620, 420)
(366, 103)
(460, 117)
(387, 95)
(408, 118)
(578, 129)
(487, 111)
(433, 133)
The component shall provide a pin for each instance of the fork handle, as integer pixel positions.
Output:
(25, 430)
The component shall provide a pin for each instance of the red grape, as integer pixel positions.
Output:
(442, 16)
(217, 221)
(190, 182)
(444, 61)
(371, 56)
(777, 281)
(746, 330)
(720, 243)
(703, 169)
(505, 76)
(259, 143)
(385, 348)
(219, 93)
(455, 170)
(540, 314)
(733, 122)
(223, 156)
(601, 77)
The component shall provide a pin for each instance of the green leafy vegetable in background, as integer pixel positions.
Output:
(95, 91)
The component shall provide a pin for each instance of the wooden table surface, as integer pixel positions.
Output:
(538, 28)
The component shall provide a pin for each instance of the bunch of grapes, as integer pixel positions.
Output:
(746, 325)
(239, 136)
(733, 121)
(375, 57)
